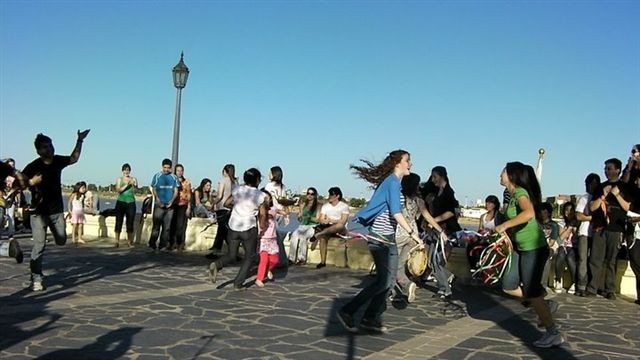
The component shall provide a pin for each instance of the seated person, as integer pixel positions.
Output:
(91, 203)
(333, 219)
(203, 200)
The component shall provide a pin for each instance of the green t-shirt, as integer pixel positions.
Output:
(307, 215)
(528, 236)
(126, 196)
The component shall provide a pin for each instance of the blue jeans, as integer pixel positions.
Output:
(39, 225)
(386, 261)
(161, 218)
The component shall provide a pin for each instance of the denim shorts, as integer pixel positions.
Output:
(526, 270)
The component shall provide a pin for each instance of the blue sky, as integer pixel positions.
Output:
(314, 86)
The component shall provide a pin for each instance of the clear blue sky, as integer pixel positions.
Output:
(314, 86)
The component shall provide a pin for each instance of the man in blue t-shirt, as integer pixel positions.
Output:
(164, 187)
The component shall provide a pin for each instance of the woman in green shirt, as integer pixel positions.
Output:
(126, 203)
(523, 278)
(308, 220)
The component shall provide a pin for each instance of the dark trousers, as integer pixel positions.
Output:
(249, 240)
(604, 252)
(161, 219)
(634, 262)
(582, 253)
(377, 292)
(222, 218)
(178, 225)
(565, 256)
(125, 209)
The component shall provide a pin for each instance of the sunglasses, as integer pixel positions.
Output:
(633, 151)
(311, 193)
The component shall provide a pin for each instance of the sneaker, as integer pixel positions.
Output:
(347, 321)
(610, 296)
(580, 293)
(15, 251)
(270, 275)
(320, 265)
(411, 293)
(259, 283)
(549, 339)
(374, 325)
(213, 272)
(36, 283)
(557, 288)
(572, 290)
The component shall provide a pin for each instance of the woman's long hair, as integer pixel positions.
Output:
(276, 175)
(375, 174)
(314, 202)
(76, 189)
(410, 185)
(230, 169)
(203, 182)
(524, 176)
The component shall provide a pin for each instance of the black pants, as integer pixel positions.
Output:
(604, 251)
(634, 262)
(222, 218)
(249, 240)
(565, 256)
(178, 225)
(161, 219)
(122, 209)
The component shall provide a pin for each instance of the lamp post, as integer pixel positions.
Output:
(180, 75)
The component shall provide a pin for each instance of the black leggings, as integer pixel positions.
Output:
(122, 209)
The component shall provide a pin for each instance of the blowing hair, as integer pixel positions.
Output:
(524, 176)
(375, 174)
(230, 169)
(410, 185)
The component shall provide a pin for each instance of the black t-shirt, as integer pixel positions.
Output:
(616, 217)
(46, 197)
(443, 203)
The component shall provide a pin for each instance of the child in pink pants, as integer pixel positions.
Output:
(269, 251)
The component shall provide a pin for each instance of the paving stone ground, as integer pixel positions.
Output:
(106, 303)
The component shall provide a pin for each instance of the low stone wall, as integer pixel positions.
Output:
(352, 253)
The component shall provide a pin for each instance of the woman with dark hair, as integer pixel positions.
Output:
(244, 202)
(126, 203)
(443, 208)
(412, 207)
(308, 220)
(523, 277)
(382, 214)
(203, 199)
(275, 186)
(181, 211)
(565, 256)
(227, 182)
(632, 171)
(490, 219)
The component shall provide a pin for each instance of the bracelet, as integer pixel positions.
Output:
(411, 232)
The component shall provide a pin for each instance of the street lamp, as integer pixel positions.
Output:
(180, 75)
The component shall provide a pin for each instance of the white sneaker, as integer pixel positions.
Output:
(549, 339)
(269, 275)
(558, 287)
(572, 289)
(411, 297)
(36, 283)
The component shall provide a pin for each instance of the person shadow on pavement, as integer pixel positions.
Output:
(112, 345)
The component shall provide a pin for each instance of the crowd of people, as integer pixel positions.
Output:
(401, 216)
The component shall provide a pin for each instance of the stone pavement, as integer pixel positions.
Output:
(106, 303)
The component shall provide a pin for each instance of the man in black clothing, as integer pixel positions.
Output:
(44, 175)
(608, 206)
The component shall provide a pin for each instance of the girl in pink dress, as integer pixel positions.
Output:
(76, 211)
(268, 251)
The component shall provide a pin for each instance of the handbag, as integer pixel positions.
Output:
(417, 261)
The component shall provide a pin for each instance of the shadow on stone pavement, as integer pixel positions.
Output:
(109, 346)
